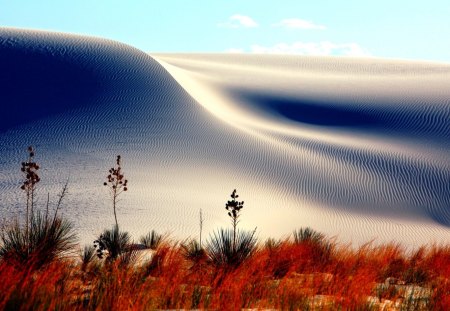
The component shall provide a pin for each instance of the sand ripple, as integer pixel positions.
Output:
(354, 147)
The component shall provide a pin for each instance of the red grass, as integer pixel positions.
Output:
(287, 276)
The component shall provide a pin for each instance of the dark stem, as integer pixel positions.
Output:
(61, 196)
(114, 206)
(29, 195)
(201, 227)
(32, 206)
(32, 201)
(234, 233)
(46, 209)
(27, 216)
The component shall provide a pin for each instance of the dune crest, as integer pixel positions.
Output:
(357, 148)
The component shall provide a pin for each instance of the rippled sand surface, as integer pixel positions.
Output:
(358, 148)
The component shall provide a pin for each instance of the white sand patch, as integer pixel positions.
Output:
(357, 148)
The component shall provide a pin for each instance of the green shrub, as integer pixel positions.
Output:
(112, 243)
(222, 252)
(307, 235)
(44, 242)
(151, 240)
(40, 240)
(193, 251)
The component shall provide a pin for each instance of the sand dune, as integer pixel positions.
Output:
(358, 148)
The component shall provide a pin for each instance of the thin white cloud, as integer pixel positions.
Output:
(296, 23)
(237, 20)
(313, 48)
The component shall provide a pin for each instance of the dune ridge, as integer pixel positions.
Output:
(357, 148)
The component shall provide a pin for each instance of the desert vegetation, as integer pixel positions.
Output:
(42, 268)
(41, 238)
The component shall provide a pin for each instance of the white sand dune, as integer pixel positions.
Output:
(358, 148)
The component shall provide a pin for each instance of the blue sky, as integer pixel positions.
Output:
(392, 29)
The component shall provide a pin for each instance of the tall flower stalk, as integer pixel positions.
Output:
(234, 207)
(39, 241)
(201, 227)
(29, 168)
(117, 184)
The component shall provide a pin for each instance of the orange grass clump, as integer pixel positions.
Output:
(311, 274)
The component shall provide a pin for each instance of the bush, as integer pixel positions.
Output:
(112, 243)
(307, 235)
(87, 255)
(272, 244)
(40, 240)
(220, 248)
(151, 240)
(193, 251)
(44, 242)
(320, 249)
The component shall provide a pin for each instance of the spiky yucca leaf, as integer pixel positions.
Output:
(272, 244)
(112, 243)
(46, 240)
(321, 249)
(220, 248)
(307, 235)
(87, 255)
(193, 251)
(152, 240)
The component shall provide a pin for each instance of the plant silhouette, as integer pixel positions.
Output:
(234, 207)
(112, 243)
(117, 184)
(29, 168)
(230, 248)
(40, 241)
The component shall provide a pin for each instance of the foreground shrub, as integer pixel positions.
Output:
(44, 289)
(320, 248)
(307, 235)
(87, 255)
(193, 251)
(230, 248)
(112, 243)
(285, 277)
(223, 251)
(45, 241)
(41, 239)
(272, 244)
(151, 240)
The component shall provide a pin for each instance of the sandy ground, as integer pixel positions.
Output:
(357, 148)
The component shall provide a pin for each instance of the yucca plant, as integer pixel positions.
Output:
(151, 240)
(117, 184)
(321, 249)
(307, 235)
(44, 242)
(129, 257)
(41, 240)
(234, 207)
(230, 247)
(29, 169)
(272, 244)
(87, 255)
(223, 251)
(193, 251)
(52, 238)
(112, 243)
